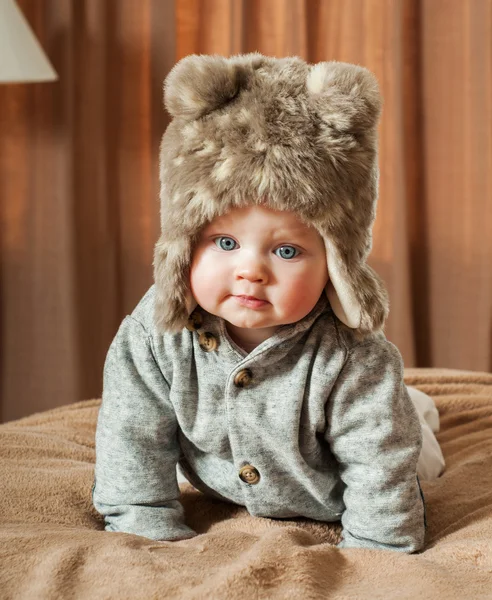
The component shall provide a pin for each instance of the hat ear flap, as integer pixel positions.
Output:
(346, 96)
(340, 293)
(357, 295)
(200, 84)
(173, 299)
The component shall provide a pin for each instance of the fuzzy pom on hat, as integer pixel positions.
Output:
(251, 129)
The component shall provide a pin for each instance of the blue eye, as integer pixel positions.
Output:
(287, 252)
(225, 243)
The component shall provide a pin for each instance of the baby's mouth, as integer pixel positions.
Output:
(250, 301)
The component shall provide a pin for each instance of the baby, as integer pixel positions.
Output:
(257, 361)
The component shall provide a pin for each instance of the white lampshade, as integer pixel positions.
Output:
(21, 57)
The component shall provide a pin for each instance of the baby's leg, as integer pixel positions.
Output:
(181, 477)
(431, 461)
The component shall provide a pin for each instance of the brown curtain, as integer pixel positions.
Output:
(79, 171)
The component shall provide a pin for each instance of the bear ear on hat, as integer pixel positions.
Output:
(346, 96)
(199, 84)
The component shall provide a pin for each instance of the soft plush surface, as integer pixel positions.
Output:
(52, 543)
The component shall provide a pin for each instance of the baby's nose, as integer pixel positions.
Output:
(252, 269)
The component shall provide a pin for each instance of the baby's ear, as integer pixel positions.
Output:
(346, 96)
(199, 84)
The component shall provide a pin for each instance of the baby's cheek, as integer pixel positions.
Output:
(201, 285)
(198, 280)
(205, 280)
(302, 294)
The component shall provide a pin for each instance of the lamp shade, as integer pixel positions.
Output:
(21, 57)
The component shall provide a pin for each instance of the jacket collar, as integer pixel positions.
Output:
(228, 349)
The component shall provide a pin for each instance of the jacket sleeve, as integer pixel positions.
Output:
(135, 487)
(375, 435)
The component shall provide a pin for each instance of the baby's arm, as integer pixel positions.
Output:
(375, 434)
(136, 487)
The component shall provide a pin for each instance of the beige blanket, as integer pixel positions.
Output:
(52, 543)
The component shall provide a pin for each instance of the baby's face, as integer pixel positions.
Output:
(258, 268)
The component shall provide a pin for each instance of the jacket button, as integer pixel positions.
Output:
(194, 322)
(249, 474)
(207, 341)
(243, 378)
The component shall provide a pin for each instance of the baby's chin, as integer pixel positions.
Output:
(247, 318)
(251, 321)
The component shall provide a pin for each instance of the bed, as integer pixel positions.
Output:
(53, 545)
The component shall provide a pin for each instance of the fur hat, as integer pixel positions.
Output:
(251, 129)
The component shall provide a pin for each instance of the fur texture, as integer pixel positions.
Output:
(293, 136)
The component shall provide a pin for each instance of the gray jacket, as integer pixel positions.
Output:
(314, 422)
